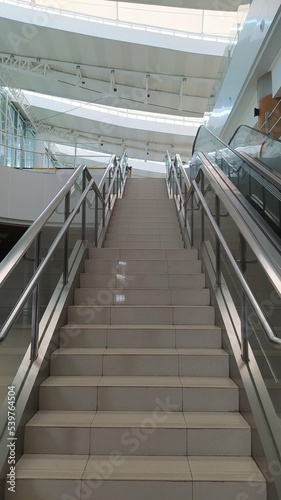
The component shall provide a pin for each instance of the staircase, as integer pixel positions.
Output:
(139, 404)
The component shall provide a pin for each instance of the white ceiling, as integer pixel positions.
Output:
(133, 74)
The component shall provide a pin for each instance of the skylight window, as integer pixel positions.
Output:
(202, 22)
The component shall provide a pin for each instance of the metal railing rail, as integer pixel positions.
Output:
(246, 234)
(268, 116)
(116, 173)
(254, 303)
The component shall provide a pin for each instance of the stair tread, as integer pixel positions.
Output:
(111, 351)
(146, 306)
(167, 289)
(75, 326)
(134, 468)
(119, 419)
(137, 381)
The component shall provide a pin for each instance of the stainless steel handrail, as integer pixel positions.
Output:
(41, 268)
(33, 235)
(233, 209)
(269, 115)
(10, 261)
(266, 326)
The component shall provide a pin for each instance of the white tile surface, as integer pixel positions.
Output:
(224, 469)
(140, 490)
(137, 468)
(133, 358)
(213, 490)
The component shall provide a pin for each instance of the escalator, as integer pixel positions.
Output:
(259, 147)
(247, 172)
(216, 198)
(251, 161)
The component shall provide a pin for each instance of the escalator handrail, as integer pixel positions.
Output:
(264, 172)
(243, 201)
(273, 339)
(266, 136)
(234, 209)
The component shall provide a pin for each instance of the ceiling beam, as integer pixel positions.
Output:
(116, 94)
(43, 66)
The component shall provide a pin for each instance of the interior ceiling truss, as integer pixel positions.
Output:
(104, 143)
(124, 86)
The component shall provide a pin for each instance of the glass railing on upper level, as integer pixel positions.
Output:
(259, 186)
(258, 146)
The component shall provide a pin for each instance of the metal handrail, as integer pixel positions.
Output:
(41, 268)
(269, 115)
(33, 234)
(276, 341)
(266, 326)
(10, 261)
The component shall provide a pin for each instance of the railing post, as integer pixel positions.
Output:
(267, 124)
(103, 206)
(218, 245)
(181, 180)
(185, 206)
(192, 220)
(96, 218)
(109, 197)
(117, 187)
(83, 235)
(35, 305)
(202, 183)
(114, 185)
(244, 307)
(65, 253)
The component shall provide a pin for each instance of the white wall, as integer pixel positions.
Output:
(252, 58)
(147, 168)
(276, 76)
(25, 193)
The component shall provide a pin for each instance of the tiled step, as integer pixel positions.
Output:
(140, 281)
(145, 231)
(168, 296)
(142, 210)
(138, 433)
(116, 477)
(119, 224)
(116, 393)
(121, 254)
(140, 362)
(145, 207)
(176, 238)
(129, 267)
(138, 219)
(154, 197)
(144, 244)
(147, 336)
(140, 315)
